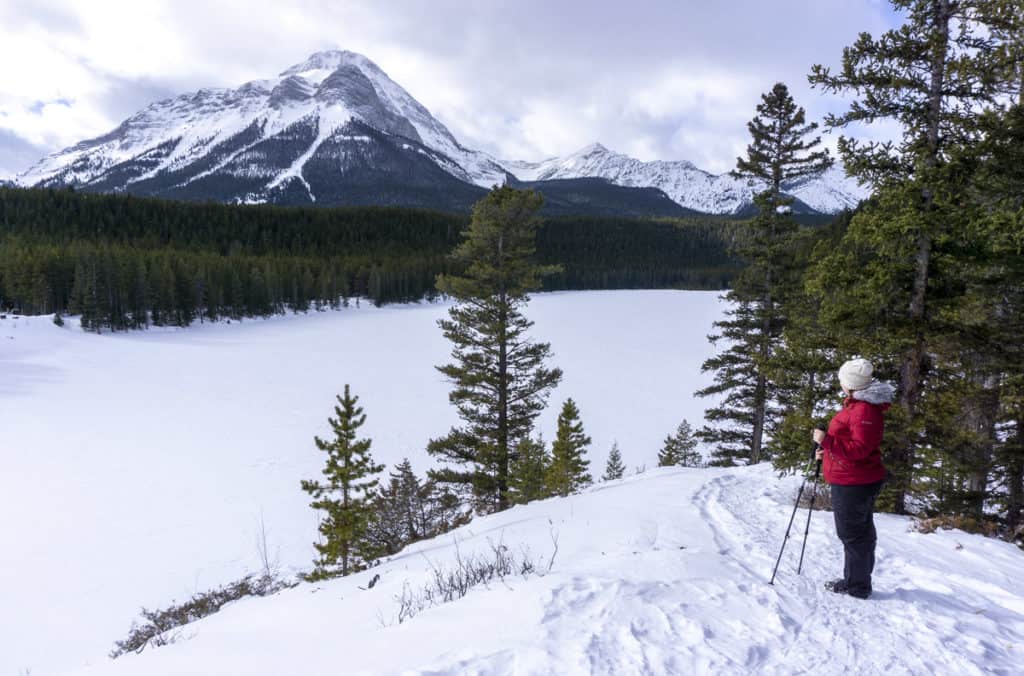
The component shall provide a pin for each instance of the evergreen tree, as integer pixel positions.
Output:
(403, 512)
(995, 308)
(782, 149)
(614, 469)
(447, 511)
(804, 368)
(528, 472)
(680, 449)
(897, 269)
(568, 470)
(414, 498)
(501, 383)
(386, 530)
(345, 493)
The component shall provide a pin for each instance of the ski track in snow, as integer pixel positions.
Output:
(956, 632)
(732, 621)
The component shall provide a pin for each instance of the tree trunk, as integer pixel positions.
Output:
(980, 417)
(768, 312)
(503, 450)
(759, 415)
(1015, 480)
(345, 541)
(910, 369)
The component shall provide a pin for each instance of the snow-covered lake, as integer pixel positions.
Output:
(135, 467)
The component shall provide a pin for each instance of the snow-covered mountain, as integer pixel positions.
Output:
(687, 185)
(331, 125)
(335, 129)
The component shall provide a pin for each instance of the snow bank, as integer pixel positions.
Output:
(662, 573)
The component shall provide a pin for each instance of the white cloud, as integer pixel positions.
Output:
(665, 79)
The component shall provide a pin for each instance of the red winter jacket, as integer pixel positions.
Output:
(852, 456)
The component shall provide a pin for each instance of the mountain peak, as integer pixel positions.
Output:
(328, 60)
(593, 149)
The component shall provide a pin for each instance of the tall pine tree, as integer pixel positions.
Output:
(996, 281)
(783, 148)
(891, 284)
(501, 382)
(345, 493)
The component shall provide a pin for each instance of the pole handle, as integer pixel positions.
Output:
(814, 452)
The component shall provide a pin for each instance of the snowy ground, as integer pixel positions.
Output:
(661, 573)
(136, 466)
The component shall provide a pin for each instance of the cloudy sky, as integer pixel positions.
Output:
(665, 79)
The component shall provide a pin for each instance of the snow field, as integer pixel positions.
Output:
(137, 466)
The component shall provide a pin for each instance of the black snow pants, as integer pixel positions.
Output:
(853, 508)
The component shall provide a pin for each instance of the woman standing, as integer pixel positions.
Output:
(852, 463)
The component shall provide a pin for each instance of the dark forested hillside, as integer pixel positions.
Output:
(126, 262)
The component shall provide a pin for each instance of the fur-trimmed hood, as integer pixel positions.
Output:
(876, 393)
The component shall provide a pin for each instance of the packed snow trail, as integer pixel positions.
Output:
(661, 573)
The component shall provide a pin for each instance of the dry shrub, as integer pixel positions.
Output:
(968, 524)
(163, 627)
(822, 497)
(449, 584)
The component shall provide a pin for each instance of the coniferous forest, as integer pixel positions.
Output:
(123, 262)
(925, 279)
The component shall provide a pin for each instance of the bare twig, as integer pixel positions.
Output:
(446, 585)
(269, 568)
(554, 541)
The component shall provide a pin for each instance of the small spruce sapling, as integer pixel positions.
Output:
(528, 472)
(614, 469)
(345, 493)
(568, 472)
(680, 449)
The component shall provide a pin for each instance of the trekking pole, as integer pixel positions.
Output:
(810, 510)
(796, 505)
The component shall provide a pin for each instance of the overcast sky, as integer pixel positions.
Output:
(667, 79)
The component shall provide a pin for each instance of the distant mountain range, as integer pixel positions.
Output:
(335, 129)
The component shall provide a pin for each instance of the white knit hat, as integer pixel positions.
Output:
(855, 374)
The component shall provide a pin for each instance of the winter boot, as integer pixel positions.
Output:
(837, 586)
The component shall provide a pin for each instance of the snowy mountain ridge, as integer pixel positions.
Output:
(335, 129)
(687, 185)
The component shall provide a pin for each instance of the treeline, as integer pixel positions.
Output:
(619, 253)
(119, 287)
(124, 262)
